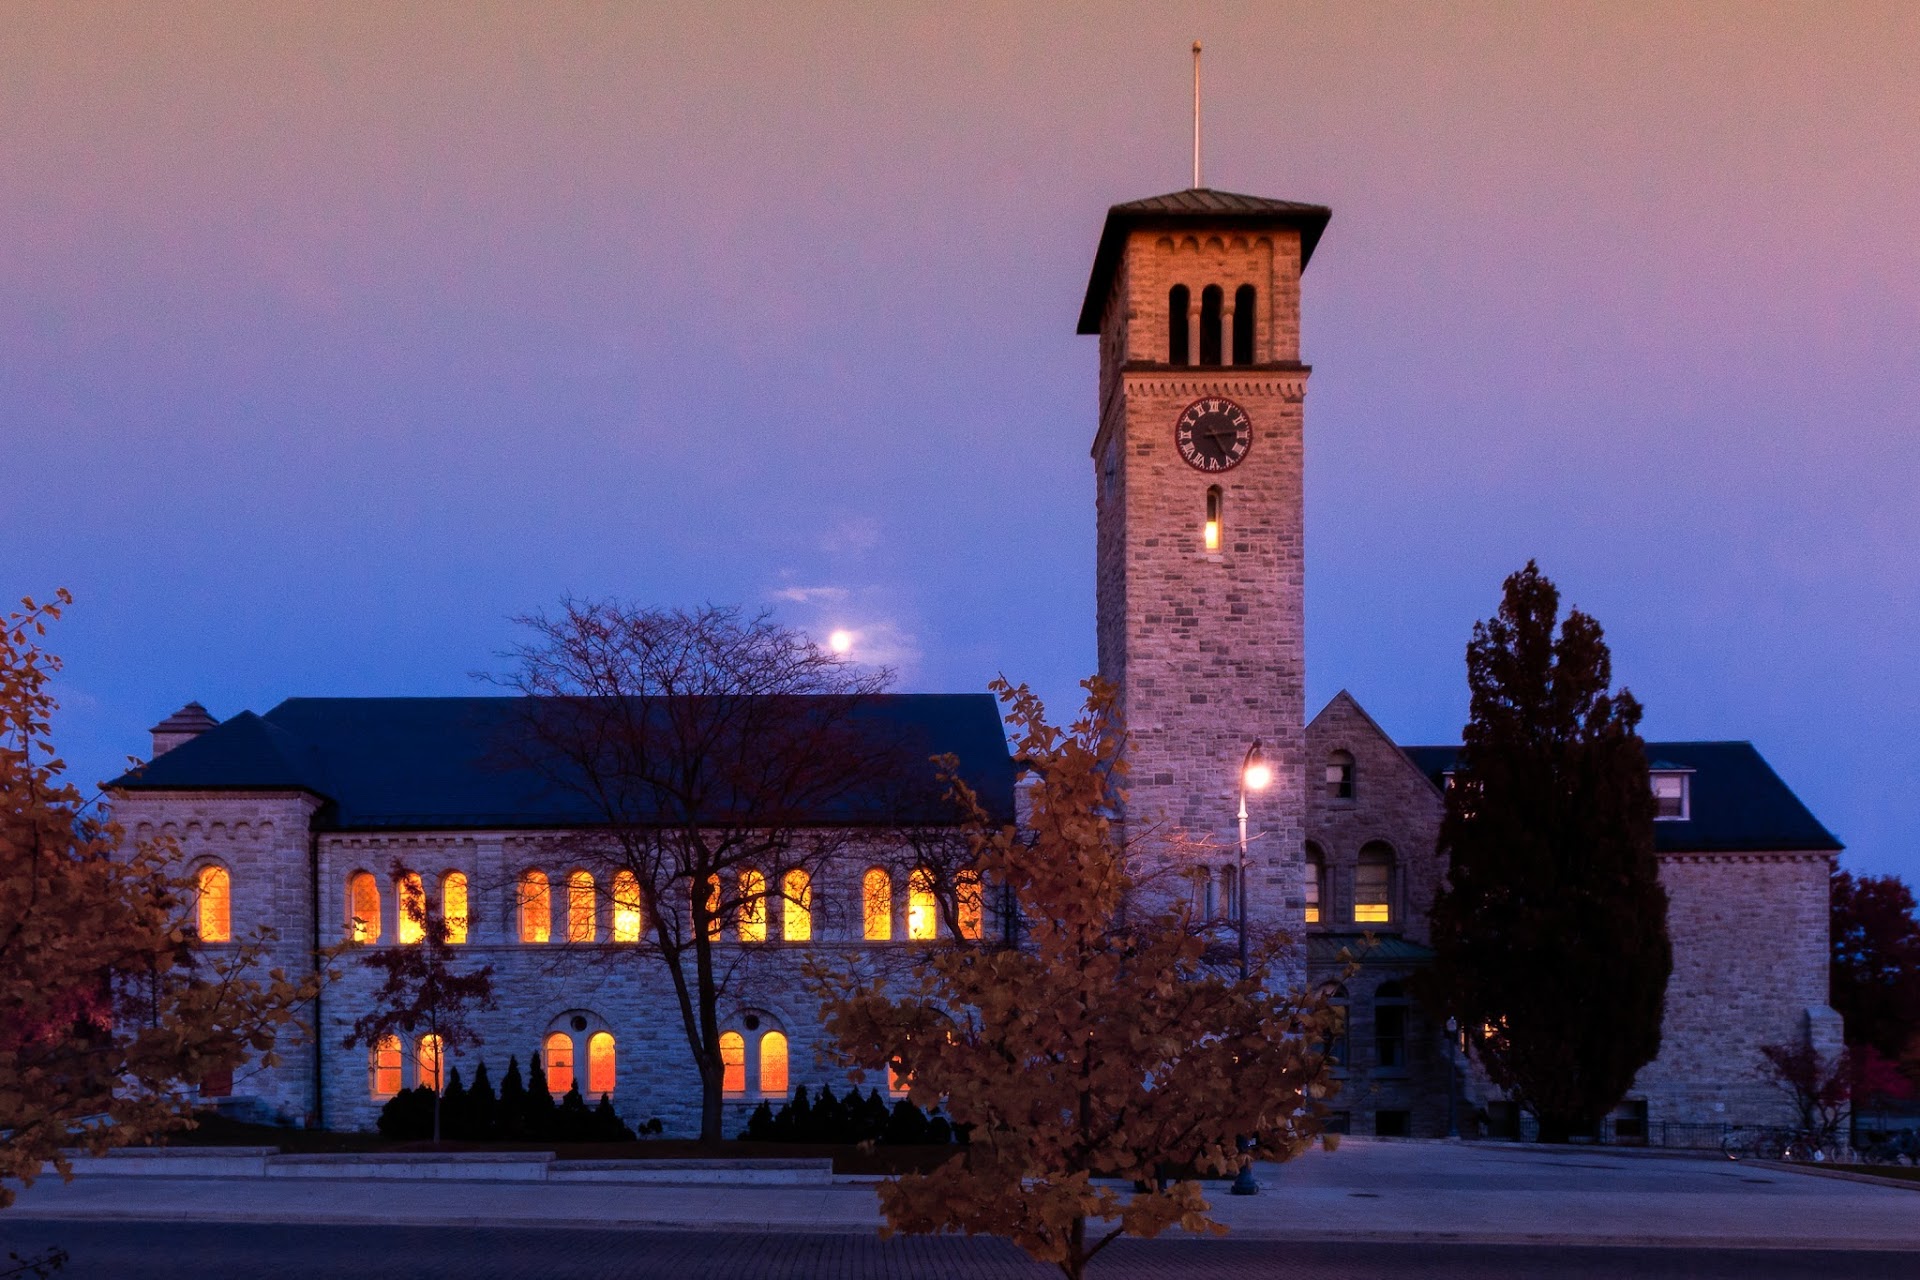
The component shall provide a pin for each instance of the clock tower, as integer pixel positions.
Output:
(1195, 297)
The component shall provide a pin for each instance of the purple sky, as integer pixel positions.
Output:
(330, 336)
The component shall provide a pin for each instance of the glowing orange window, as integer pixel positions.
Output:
(582, 924)
(557, 1058)
(733, 1062)
(876, 901)
(773, 1063)
(410, 920)
(751, 915)
(969, 904)
(430, 1062)
(453, 905)
(363, 907)
(627, 918)
(922, 913)
(216, 904)
(712, 907)
(796, 910)
(600, 1063)
(386, 1067)
(536, 907)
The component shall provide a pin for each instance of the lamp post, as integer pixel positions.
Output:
(1254, 776)
(1453, 1077)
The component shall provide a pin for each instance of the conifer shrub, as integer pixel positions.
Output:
(832, 1121)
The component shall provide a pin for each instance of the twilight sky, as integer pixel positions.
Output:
(331, 335)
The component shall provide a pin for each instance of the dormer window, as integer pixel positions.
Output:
(1672, 796)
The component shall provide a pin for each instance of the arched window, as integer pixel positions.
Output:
(583, 919)
(600, 1063)
(536, 907)
(1340, 776)
(383, 1067)
(1210, 531)
(796, 910)
(215, 906)
(1390, 1027)
(773, 1063)
(1316, 882)
(898, 1082)
(363, 907)
(628, 922)
(750, 916)
(923, 910)
(1179, 303)
(557, 1057)
(733, 1062)
(1373, 885)
(1230, 893)
(453, 905)
(969, 904)
(1243, 316)
(1211, 299)
(876, 905)
(429, 1062)
(410, 913)
(712, 908)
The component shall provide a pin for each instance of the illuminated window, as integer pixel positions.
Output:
(363, 907)
(1179, 302)
(751, 915)
(1373, 885)
(1340, 776)
(557, 1058)
(215, 888)
(796, 912)
(1210, 532)
(410, 917)
(923, 912)
(627, 919)
(1211, 304)
(733, 1062)
(713, 908)
(384, 1068)
(876, 900)
(1243, 316)
(1316, 879)
(453, 905)
(773, 1063)
(430, 1062)
(898, 1082)
(968, 900)
(536, 907)
(1669, 798)
(583, 924)
(600, 1063)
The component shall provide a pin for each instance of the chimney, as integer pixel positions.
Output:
(184, 725)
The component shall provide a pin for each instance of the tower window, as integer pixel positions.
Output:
(1340, 776)
(1243, 316)
(1211, 303)
(1210, 532)
(1179, 302)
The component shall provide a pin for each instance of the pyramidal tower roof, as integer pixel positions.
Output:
(1194, 206)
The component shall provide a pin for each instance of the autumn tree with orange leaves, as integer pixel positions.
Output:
(1102, 1066)
(109, 1013)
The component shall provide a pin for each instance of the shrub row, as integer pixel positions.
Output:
(852, 1119)
(521, 1111)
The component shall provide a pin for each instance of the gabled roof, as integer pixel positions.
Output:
(1345, 700)
(448, 763)
(1196, 205)
(1738, 804)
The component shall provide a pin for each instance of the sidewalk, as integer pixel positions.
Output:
(1398, 1192)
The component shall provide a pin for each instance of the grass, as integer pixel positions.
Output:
(218, 1131)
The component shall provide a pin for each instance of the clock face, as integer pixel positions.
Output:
(1213, 434)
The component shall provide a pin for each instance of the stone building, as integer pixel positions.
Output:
(1323, 830)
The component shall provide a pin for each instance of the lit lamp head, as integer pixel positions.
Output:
(1256, 774)
(841, 642)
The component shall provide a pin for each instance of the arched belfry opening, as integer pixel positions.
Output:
(1211, 300)
(1179, 303)
(1243, 317)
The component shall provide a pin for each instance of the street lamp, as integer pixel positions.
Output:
(1453, 1077)
(1255, 775)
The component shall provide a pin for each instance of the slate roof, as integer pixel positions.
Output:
(1738, 804)
(1183, 208)
(1386, 948)
(451, 763)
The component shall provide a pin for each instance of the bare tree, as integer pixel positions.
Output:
(718, 755)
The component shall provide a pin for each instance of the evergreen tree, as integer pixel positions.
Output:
(829, 1118)
(454, 1117)
(873, 1117)
(906, 1127)
(1551, 928)
(572, 1122)
(538, 1112)
(510, 1117)
(482, 1107)
(607, 1124)
(759, 1124)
